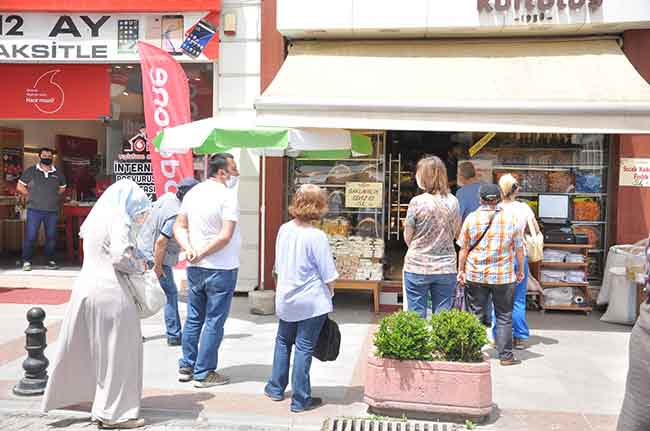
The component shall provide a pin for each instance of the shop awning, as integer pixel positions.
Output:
(551, 86)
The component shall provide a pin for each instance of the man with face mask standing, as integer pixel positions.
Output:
(42, 185)
(207, 229)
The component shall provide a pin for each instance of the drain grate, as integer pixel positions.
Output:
(371, 424)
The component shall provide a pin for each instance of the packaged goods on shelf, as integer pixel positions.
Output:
(592, 232)
(561, 182)
(588, 182)
(339, 226)
(336, 201)
(586, 209)
(558, 296)
(367, 227)
(513, 157)
(554, 256)
(562, 158)
(341, 174)
(563, 276)
(574, 258)
(535, 182)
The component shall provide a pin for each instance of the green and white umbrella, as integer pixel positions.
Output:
(222, 134)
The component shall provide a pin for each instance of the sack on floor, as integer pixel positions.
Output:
(329, 342)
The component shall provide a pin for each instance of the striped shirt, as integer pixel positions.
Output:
(492, 261)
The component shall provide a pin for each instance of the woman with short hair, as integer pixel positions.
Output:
(432, 223)
(306, 272)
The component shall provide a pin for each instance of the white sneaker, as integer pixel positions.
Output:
(27, 266)
(213, 379)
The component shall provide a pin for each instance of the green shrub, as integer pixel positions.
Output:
(405, 336)
(457, 336)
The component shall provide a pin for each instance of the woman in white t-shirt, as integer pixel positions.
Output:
(524, 215)
(305, 272)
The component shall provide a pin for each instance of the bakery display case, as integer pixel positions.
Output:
(355, 196)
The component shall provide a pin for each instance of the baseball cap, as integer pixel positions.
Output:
(187, 183)
(489, 192)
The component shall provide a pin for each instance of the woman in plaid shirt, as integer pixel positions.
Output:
(489, 267)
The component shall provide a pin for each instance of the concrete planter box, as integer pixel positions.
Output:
(429, 387)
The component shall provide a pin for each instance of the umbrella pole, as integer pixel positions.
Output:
(263, 227)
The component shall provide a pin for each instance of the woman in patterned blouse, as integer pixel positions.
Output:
(432, 222)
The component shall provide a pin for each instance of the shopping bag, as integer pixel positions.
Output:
(147, 294)
(534, 244)
(459, 297)
(329, 342)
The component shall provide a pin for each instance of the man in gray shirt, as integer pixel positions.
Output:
(156, 241)
(42, 185)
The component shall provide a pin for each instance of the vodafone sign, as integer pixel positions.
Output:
(166, 104)
(55, 91)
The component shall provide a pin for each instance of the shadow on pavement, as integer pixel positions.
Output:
(187, 405)
(568, 321)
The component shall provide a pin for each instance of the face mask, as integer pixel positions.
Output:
(232, 182)
(46, 162)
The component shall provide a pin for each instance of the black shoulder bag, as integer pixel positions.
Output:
(329, 342)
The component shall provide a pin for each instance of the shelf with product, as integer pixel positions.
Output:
(569, 165)
(564, 278)
(354, 223)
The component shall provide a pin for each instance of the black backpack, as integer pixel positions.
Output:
(329, 342)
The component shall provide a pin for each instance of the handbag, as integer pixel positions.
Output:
(534, 244)
(459, 292)
(147, 294)
(329, 342)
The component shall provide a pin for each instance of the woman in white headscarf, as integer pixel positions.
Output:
(100, 344)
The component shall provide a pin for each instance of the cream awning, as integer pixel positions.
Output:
(578, 86)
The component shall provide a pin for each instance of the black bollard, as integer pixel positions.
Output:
(35, 365)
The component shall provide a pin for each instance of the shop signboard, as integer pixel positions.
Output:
(530, 12)
(134, 163)
(105, 38)
(363, 195)
(634, 172)
(42, 91)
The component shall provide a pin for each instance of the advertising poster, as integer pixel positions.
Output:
(134, 163)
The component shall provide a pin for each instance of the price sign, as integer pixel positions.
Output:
(634, 172)
(363, 195)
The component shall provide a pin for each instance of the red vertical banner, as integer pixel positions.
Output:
(166, 104)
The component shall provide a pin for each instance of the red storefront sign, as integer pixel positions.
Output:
(166, 99)
(109, 5)
(54, 91)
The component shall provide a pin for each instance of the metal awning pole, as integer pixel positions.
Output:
(263, 227)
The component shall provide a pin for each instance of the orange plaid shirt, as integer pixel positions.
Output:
(493, 260)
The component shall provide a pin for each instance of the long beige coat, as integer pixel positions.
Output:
(100, 346)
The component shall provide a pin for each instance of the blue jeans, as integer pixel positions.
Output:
(520, 328)
(172, 318)
(418, 288)
(208, 305)
(304, 334)
(32, 225)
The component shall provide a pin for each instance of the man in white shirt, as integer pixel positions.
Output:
(207, 229)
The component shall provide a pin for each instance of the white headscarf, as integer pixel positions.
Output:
(122, 202)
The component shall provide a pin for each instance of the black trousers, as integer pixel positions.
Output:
(477, 300)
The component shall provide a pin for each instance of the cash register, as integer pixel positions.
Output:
(554, 211)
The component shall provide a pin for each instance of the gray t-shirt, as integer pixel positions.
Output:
(161, 222)
(43, 188)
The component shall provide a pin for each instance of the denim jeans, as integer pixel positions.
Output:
(304, 334)
(32, 225)
(520, 328)
(208, 305)
(477, 297)
(172, 318)
(419, 287)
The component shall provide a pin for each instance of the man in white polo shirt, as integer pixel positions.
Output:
(207, 229)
